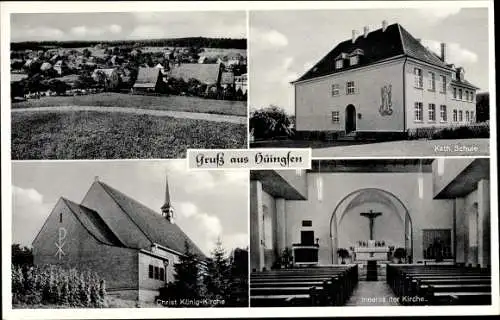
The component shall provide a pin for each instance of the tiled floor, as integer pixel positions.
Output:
(373, 293)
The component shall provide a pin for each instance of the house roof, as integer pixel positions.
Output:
(377, 46)
(205, 73)
(18, 77)
(463, 83)
(107, 72)
(94, 224)
(147, 78)
(152, 224)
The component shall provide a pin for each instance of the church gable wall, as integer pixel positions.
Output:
(314, 102)
(425, 213)
(79, 249)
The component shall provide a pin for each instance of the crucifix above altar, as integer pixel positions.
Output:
(371, 216)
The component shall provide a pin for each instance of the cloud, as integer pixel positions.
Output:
(84, 31)
(455, 53)
(114, 28)
(38, 32)
(236, 240)
(28, 214)
(440, 12)
(267, 39)
(203, 228)
(150, 31)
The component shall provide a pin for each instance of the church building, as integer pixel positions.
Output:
(371, 208)
(380, 82)
(131, 246)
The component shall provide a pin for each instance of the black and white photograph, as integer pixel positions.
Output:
(128, 234)
(108, 85)
(371, 82)
(385, 232)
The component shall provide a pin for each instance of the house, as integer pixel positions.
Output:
(241, 83)
(61, 67)
(382, 81)
(227, 80)
(209, 74)
(149, 80)
(16, 77)
(134, 248)
(107, 77)
(45, 66)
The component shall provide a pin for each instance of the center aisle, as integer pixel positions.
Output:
(372, 293)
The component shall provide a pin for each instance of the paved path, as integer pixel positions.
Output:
(372, 293)
(410, 148)
(158, 113)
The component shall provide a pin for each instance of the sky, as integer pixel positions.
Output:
(208, 204)
(285, 44)
(127, 25)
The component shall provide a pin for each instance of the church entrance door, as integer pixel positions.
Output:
(350, 119)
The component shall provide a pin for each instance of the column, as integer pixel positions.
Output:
(461, 232)
(472, 214)
(483, 223)
(256, 215)
(280, 226)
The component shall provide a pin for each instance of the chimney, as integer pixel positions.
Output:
(384, 25)
(354, 35)
(167, 210)
(366, 30)
(443, 51)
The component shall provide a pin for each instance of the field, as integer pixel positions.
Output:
(110, 99)
(97, 135)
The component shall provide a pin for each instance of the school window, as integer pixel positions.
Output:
(350, 87)
(442, 113)
(419, 79)
(157, 273)
(339, 64)
(454, 93)
(432, 81)
(151, 272)
(467, 116)
(460, 116)
(460, 95)
(466, 95)
(472, 96)
(455, 116)
(354, 60)
(472, 117)
(335, 89)
(418, 111)
(432, 112)
(162, 274)
(335, 117)
(443, 84)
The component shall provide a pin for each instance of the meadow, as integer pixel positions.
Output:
(102, 135)
(111, 99)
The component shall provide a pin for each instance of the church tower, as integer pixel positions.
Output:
(167, 210)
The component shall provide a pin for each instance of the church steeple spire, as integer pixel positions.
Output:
(167, 210)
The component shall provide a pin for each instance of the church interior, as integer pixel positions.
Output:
(371, 232)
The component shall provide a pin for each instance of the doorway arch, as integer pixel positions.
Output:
(350, 119)
(339, 211)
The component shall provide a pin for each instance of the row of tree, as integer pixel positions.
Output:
(200, 42)
(219, 278)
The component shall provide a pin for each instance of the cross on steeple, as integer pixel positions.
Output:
(371, 215)
(167, 210)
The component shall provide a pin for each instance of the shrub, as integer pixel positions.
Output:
(56, 285)
(478, 130)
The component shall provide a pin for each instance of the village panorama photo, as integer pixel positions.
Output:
(127, 85)
(371, 82)
(125, 234)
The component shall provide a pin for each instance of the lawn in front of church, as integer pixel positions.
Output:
(112, 99)
(103, 135)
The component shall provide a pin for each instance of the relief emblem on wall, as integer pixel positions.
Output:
(386, 97)
(60, 244)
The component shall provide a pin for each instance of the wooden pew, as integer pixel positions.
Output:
(440, 285)
(303, 286)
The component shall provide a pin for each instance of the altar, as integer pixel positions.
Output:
(371, 250)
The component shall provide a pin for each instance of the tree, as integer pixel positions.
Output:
(217, 278)
(187, 275)
(482, 107)
(21, 256)
(84, 81)
(399, 254)
(86, 53)
(238, 291)
(270, 122)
